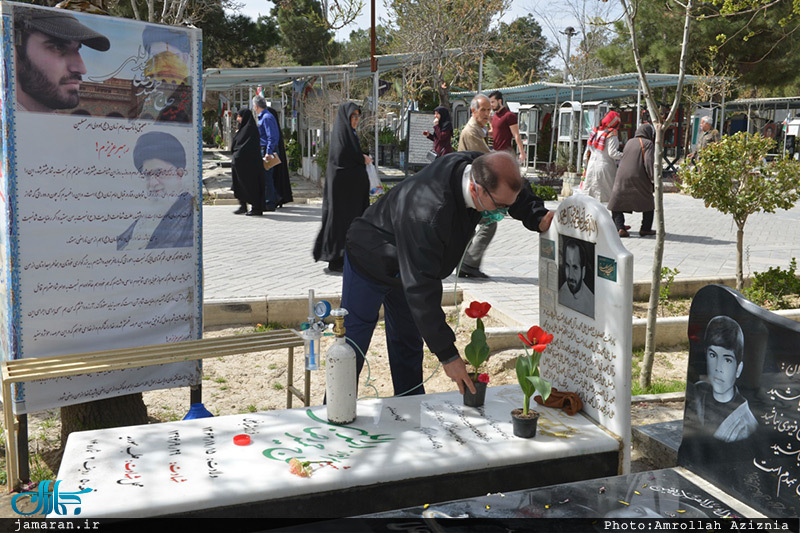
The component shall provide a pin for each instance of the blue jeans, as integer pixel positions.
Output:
(363, 298)
(270, 193)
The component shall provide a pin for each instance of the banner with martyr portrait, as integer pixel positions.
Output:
(101, 196)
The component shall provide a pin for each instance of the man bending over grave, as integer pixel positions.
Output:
(400, 250)
(718, 403)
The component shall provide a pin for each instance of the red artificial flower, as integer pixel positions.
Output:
(537, 338)
(478, 309)
(483, 378)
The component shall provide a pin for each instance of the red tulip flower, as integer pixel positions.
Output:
(537, 338)
(478, 309)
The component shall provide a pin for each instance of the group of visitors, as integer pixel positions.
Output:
(628, 188)
(395, 253)
(257, 141)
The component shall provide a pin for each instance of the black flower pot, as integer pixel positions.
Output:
(525, 426)
(477, 399)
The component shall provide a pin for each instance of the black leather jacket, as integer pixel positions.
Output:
(415, 236)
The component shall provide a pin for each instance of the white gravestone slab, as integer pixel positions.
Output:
(190, 465)
(586, 302)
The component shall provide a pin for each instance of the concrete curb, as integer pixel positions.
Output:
(683, 287)
(287, 311)
(655, 398)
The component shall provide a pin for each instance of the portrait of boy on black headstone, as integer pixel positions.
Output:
(718, 405)
(576, 275)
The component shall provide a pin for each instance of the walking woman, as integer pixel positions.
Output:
(280, 176)
(346, 194)
(246, 168)
(633, 189)
(602, 152)
(442, 131)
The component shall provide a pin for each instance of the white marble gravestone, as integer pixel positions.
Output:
(586, 301)
(178, 467)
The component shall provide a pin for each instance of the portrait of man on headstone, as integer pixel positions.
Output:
(49, 66)
(576, 275)
(718, 406)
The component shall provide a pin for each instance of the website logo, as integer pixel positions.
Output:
(47, 500)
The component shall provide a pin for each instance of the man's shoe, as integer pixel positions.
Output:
(269, 207)
(646, 232)
(241, 211)
(253, 214)
(624, 233)
(471, 272)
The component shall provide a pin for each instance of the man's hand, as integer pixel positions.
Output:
(544, 224)
(457, 371)
(367, 159)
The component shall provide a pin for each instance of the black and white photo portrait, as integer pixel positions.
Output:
(576, 275)
(718, 405)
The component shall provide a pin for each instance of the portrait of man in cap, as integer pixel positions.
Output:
(49, 66)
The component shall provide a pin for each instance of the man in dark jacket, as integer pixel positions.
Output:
(400, 250)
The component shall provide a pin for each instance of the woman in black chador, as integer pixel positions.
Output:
(248, 177)
(280, 175)
(346, 194)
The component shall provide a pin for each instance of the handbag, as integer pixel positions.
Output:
(269, 163)
(431, 156)
(375, 185)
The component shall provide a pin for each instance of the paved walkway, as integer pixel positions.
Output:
(271, 256)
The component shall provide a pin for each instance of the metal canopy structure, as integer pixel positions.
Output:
(605, 88)
(223, 79)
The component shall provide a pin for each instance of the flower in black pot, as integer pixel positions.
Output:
(525, 420)
(477, 352)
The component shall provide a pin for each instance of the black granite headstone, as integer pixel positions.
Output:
(741, 427)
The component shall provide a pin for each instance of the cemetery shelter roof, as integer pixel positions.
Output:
(222, 79)
(605, 88)
(783, 102)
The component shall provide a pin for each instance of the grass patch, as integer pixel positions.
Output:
(657, 386)
(277, 386)
(269, 326)
(39, 469)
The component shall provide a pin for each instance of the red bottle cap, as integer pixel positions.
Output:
(241, 440)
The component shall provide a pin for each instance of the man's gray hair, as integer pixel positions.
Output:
(706, 119)
(258, 101)
(473, 105)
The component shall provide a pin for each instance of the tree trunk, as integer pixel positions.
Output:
(739, 250)
(645, 377)
(660, 126)
(121, 411)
